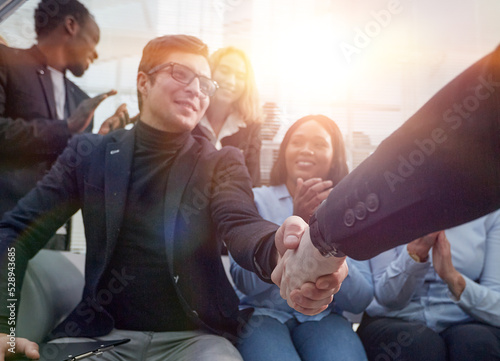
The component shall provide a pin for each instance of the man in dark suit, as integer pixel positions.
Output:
(40, 109)
(440, 169)
(157, 203)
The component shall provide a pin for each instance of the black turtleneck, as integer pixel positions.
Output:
(149, 301)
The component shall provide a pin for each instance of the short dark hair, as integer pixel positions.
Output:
(50, 13)
(156, 50)
(339, 168)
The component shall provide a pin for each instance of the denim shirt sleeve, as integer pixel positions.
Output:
(396, 277)
(356, 292)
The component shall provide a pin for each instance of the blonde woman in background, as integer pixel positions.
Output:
(234, 115)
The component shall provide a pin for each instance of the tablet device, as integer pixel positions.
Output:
(73, 351)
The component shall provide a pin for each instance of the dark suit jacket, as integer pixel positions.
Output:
(439, 169)
(31, 137)
(248, 140)
(209, 200)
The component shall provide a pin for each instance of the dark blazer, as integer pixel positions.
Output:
(209, 200)
(441, 168)
(31, 137)
(248, 140)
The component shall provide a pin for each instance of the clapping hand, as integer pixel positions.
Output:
(118, 120)
(308, 196)
(442, 262)
(80, 119)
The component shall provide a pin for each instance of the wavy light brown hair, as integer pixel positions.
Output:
(248, 105)
(338, 169)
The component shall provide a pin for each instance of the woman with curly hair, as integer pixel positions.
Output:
(311, 160)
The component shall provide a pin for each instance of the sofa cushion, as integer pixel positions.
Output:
(52, 288)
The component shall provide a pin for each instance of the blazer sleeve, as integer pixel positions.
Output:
(249, 238)
(248, 282)
(25, 136)
(37, 216)
(441, 168)
(38, 136)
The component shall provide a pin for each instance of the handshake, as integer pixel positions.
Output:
(307, 279)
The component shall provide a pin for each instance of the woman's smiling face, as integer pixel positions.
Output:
(231, 75)
(309, 153)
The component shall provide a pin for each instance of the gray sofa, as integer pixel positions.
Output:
(52, 288)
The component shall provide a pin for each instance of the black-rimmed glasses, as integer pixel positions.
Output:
(185, 76)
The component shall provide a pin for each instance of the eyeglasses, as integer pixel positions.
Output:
(185, 76)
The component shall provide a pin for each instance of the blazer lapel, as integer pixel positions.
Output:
(48, 90)
(43, 75)
(178, 179)
(118, 163)
(70, 97)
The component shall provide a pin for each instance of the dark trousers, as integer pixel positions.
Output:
(391, 339)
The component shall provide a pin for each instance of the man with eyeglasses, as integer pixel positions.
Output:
(156, 204)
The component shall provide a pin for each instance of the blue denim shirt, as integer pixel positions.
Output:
(413, 291)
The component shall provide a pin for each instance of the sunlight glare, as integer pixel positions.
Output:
(309, 64)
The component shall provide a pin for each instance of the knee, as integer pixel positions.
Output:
(405, 342)
(470, 339)
(213, 347)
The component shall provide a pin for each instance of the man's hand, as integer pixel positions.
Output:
(307, 280)
(22, 347)
(81, 117)
(118, 120)
(308, 196)
(289, 234)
